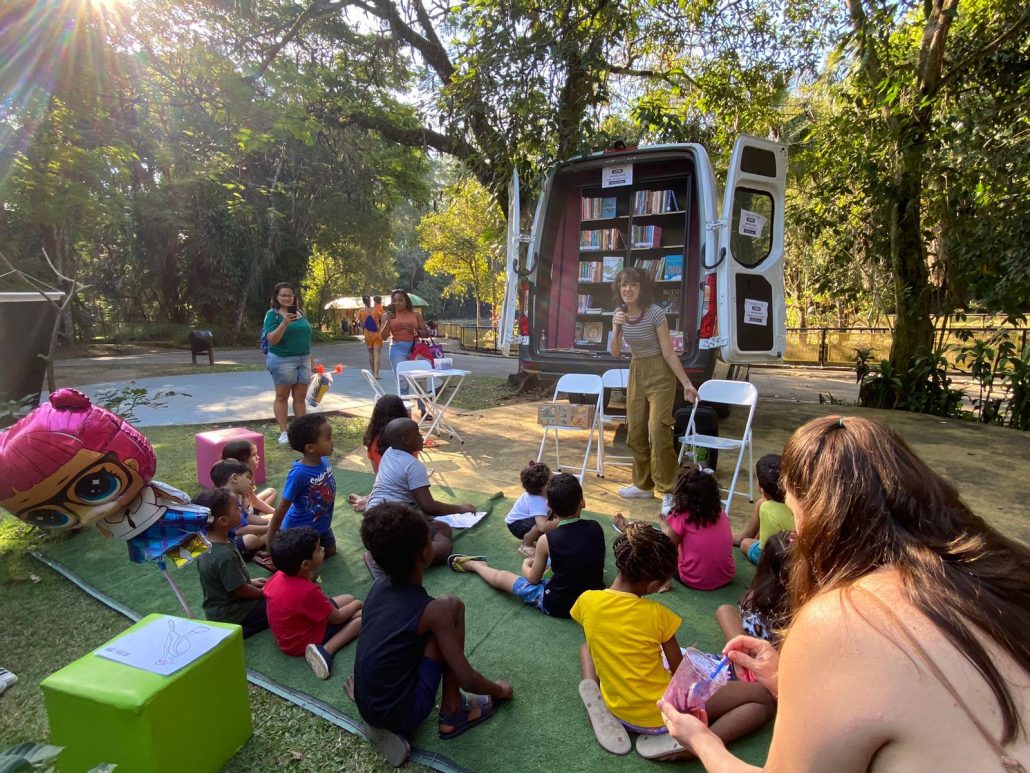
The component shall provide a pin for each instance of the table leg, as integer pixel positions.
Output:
(438, 420)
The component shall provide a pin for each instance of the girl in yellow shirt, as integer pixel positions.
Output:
(626, 634)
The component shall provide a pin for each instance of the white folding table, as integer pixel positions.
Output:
(418, 379)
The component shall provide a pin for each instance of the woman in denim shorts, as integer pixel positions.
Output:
(289, 354)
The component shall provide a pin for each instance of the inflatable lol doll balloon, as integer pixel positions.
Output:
(70, 463)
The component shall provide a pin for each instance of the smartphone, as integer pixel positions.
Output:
(291, 309)
(391, 310)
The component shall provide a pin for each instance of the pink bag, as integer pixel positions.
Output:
(426, 349)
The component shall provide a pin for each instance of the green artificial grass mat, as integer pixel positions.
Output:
(545, 726)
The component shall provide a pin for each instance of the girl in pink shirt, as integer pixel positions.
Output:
(701, 531)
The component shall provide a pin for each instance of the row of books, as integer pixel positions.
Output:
(667, 269)
(603, 270)
(585, 305)
(601, 239)
(646, 236)
(654, 202)
(597, 208)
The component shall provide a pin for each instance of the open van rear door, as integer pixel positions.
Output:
(506, 317)
(752, 310)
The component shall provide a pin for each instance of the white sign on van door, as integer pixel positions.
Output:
(751, 224)
(756, 312)
(614, 176)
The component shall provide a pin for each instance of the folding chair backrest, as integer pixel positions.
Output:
(376, 386)
(616, 378)
(728, 392)
(578, 383)
(409, 365)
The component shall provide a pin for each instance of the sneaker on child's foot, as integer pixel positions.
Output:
(632, 492)
(667, 502)
(320, 660)
(283, 438)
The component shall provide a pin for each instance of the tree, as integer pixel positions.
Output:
(466, 241)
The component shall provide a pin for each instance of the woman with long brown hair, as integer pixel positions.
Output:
(909, 647)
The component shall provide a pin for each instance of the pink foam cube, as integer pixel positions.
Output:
(209, 451)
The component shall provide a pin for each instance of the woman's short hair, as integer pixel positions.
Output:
(632, 274)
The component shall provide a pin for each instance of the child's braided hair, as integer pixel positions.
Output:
(642, 553)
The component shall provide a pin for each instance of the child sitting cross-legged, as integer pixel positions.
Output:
(700, 530)
(623, 670)
(574, 549)
(770, 515)
(411, 642)
(403, 478)
(310, 491)
(236, 477)
(765, 608)
(530, 516)
(230, 596)
(245, 451)
(304, 620)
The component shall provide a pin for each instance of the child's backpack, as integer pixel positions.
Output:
(370, 324)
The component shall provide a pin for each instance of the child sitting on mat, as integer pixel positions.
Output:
(701, 531)
(236, 477)
(530, 517)
(770, 515)
(411, 642)
(230, 596)
(304, 620)
(623, 672)
(310, 491)
(245, 451)
(765, 608)
(574, 549)
(387, 408)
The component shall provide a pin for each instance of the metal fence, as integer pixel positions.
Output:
(470, 337)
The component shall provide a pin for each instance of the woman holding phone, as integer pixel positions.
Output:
(404, 324)
(909, 646)
(289, 354)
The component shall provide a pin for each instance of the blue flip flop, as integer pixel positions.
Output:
(460, 720)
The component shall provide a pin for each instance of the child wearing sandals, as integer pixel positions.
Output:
(245, 451)
(574, 550)
(530, 516)
(411, 642)
(765, 608)
(623, 670)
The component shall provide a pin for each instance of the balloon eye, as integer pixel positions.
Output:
(48, 519)
(97, 487)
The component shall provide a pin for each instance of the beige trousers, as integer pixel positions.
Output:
(649, 422)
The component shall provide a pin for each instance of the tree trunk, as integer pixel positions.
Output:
(913, 330)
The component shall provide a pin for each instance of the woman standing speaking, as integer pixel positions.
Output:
(289, 354)
(653, 372)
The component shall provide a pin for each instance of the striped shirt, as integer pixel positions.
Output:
(642, 337)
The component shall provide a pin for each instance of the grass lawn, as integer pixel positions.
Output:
(47, 622)
(99, 372)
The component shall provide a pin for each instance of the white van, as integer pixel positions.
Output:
(719, 278)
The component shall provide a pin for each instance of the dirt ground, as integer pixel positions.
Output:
(988, 465)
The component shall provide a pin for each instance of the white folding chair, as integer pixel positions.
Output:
(429, 388)
(730, 393)
(583, 384)
(377, 387)
(616, 378)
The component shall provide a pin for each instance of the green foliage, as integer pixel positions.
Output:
(124, 401)
(997, 364)
(923, 387)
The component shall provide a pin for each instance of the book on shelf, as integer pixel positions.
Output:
(646, 236)
(611, 265)
(598, 208)
(651, 266)
(593, 332)
(677, 340)
(608, 343)
(672, 268)
(582, 303)
(654, 202)
(579, 333)
(600, 239)
(590, 271)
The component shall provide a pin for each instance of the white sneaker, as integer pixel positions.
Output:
(632, 492)
(283, 438)
(667, 499)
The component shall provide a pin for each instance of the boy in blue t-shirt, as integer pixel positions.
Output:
(310, 491)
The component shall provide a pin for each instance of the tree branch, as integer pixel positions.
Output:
(987, 50)
(668, 77)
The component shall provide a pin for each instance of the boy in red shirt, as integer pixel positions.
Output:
(302, 618)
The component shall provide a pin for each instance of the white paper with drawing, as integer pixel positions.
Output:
(165, 645)
(462, 520)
